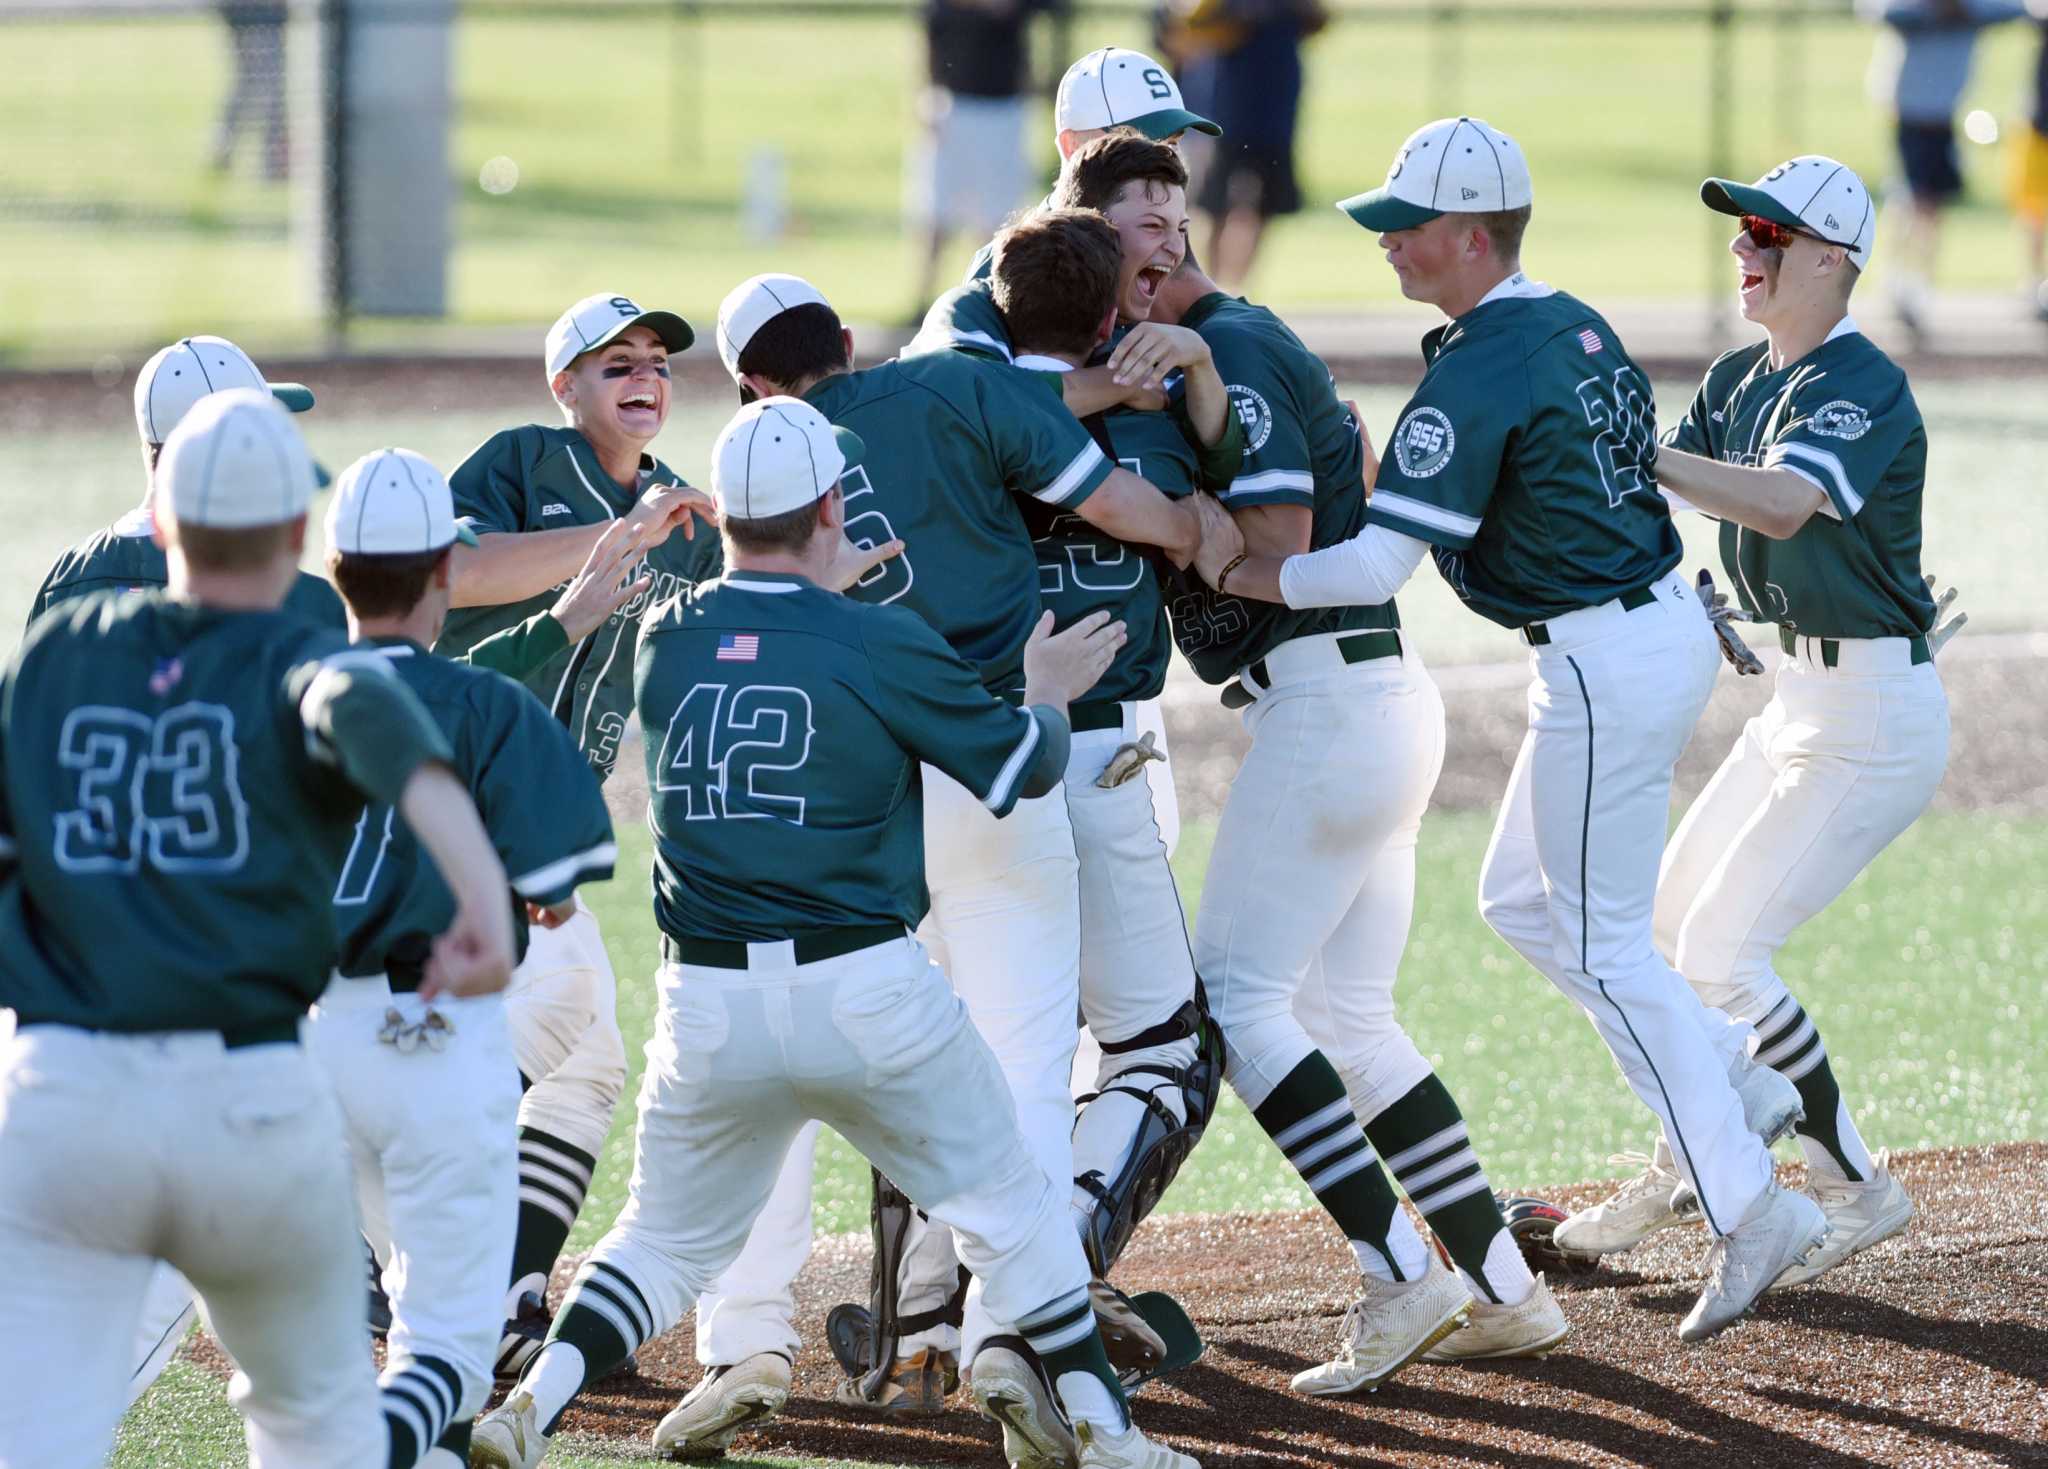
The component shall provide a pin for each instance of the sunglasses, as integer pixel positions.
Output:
(1768, 234)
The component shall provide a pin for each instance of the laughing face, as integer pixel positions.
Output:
(620, 391)
(1151, 223)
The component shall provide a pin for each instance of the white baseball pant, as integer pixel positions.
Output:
(875, 1045)
(562, 1011)
(435, 1159)
(1569, 879)
(1311, 883)
(117, 1151)
(1837, 764)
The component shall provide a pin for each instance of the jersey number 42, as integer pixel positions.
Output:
(727, 749)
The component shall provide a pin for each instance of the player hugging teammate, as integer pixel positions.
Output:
(912, 813)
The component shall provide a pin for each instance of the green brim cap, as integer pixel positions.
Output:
(1378, 209)
(1159, 126)
(850, 445)
(321, 478)
(464, 534)
(1728, 197)
(675, 333)
(295, 396)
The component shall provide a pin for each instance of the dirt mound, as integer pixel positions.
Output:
(1929, 1350)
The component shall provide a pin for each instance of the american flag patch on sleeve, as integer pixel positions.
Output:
(739, 647)
(1590, 340)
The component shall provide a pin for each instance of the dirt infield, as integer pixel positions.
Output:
(1931, 1350)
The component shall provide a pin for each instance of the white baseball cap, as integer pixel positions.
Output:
(595, 320)
(1115, 88)
(236, 460)
(778, 455)
(1455, 165)
(393, 503)
(1809, 193)
(752, 304)
(186, 371)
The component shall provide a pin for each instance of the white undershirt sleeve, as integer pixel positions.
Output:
(1361, 572)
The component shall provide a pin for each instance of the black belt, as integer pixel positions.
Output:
(827, 943)
(1094, 715)
(1538, 633)
(1352, 647)
(233, 1037)
(1831, 648)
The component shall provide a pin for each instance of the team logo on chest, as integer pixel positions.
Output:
(1423, 443)
(1841, 419)
(1255, 413)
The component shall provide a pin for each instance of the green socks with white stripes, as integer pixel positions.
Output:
(553, 1178)
(603, 1321)
(1309, 1117)
(1788, 1043)
(1063, 1334)
(1423, 1139)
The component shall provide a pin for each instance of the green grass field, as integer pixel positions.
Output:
(631, 132)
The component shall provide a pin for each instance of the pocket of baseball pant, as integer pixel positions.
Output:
(692, 1029)
(898, 1025)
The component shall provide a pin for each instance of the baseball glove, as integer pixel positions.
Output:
(1722, 616)
(1129, 761)
(1532, 1222)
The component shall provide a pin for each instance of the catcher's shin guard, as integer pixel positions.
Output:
(1163, 1139)
(863, 1338)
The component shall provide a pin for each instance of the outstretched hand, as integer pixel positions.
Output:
(664, 507)
(852, 562)
(1939, 632)
(601, 587)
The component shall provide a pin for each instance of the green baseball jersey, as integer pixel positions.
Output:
(1843, 417)
(785, 730)
(540, 478)
(1301, 447)
(124, 557)
(953, 444)
(178, 787)
(1526, 458)
(1082, 570)
(533, 789)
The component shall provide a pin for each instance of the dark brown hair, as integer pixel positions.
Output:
(805, 341)
(1505, 227)
(383, 586)
(1054, 276)
(1100, 170)
(790, 531)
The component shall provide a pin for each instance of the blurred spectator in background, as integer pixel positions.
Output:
(1920, 68)
(1239, 62)
(2029, 152)
(968, 169)
(256, 100)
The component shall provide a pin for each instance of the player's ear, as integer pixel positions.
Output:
(759, 386)
(444, 570)
(296, 534)
(563, 387)
(1106, 328)
(832, 509)
(846, 342)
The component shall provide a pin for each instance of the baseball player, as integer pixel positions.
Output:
(953, 443)
(1809, 448)
(429, 1092)
(125, 555)
(1525, 462)
(180, 777)
(539, 498)
(787, 733)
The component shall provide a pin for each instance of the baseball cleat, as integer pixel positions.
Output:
(1782, 1229)
(523, 1335)
(1133, 1346)
(1529, 1328)
(917, 1386)
(1387, 1328)
(707, 1420)
(1859, 1215)
(507, 1437)
(1130, 1449)
(1626, 1217)
(1009, 1387)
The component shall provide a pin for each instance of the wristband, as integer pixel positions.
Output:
(1229, 566)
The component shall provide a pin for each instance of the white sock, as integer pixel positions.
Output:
(1506, 1271)
(1410, 1254)
(555, 1377)
(1087, 1400)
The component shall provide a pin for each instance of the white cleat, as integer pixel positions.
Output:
(1127, 1450)
(1387, 1328)
(704, 1424)
(1529, 1328)
(1626, 1217)
(508, 1437)
(1859, 1215)
(1009, 1388)
(1782, 1229)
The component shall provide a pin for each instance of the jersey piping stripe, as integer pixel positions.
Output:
(547, 879)
(1271, 479)
(1079, 468)
(963, 338)
(998, 797)
(1843, 491)
(1422, 513)
(773, 588)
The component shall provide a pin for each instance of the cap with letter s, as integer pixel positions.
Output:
(752, 304)
(1116, 88)
(235, 461)
(1455, 165)
(1812, 193)
(595, 320)
(393, 502)
(778, 455)
(186, 371)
